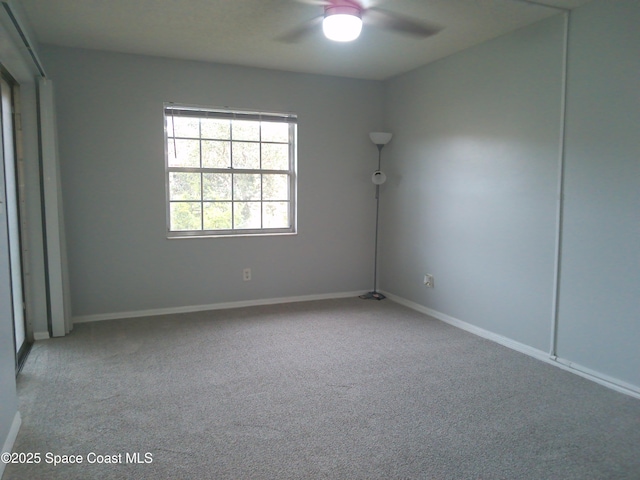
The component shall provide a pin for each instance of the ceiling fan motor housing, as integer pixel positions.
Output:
(342, 10)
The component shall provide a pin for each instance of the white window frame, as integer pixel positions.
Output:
(172, 110)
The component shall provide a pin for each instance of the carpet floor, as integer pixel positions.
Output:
(335, 389)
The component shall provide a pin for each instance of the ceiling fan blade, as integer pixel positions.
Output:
(399, 23)
(321, 3)
(301, 32)
(359, 4)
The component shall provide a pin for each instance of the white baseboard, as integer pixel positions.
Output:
(11, 438)
(215, 306)
(597, 377)
(41, 336)
(481, 332)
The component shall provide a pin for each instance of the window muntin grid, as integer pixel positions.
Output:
(229, 172)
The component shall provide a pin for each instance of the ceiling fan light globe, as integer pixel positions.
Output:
(342, 27)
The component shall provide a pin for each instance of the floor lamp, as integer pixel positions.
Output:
(380, 139)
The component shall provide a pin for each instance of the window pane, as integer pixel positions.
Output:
(275, 187)
(184, 216)
(246, 186)
(228, 171)
(185, 126)
(217, 216)
(275, 156)
(246, 155)
(246, 215)
(275, 132)
(184, 186)
(246, 130)
(185, 154)
(169, 125)
(216, 186)
(275, 215)
(216, 154)
(215, 128)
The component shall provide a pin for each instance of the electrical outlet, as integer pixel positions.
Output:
(428, 280)
(246, 274)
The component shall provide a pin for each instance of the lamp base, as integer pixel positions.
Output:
(373, 296)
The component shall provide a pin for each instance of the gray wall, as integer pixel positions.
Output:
(599, 306)
(110, 125)
(18, 64)
(472, 199)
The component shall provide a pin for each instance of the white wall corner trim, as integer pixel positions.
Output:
(597, 377)
(215, 306)
(11, 438)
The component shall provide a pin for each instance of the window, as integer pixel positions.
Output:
(229, 172)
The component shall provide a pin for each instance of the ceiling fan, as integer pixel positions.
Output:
(342, 21)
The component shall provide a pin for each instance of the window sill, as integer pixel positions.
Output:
(235, 235)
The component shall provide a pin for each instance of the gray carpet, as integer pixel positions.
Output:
(338, 389)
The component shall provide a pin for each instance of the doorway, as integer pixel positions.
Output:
(11, 199)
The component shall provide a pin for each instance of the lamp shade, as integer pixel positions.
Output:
(342, 23)
(378, 177)
(380, 138)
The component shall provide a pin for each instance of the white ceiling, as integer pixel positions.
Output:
(245, 32)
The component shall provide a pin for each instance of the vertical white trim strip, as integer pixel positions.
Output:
(560, 209)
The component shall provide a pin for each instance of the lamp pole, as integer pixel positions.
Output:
(375, 293)
(380, 139)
